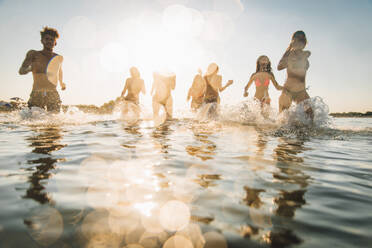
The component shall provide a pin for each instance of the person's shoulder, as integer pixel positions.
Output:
(56, 55)
(32, 52)
(198, 76)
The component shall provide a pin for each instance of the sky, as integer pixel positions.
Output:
(101, 39)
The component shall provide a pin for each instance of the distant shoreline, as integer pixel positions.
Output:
(367, 114)
(108, 108)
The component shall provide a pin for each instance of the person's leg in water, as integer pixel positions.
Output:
(265, 107)
(212, 109)
(285, 101)
(125, 108)
(53, 102)
(37, 99)
(169, 107)
(303, 97)
(196, 103)
(155, 108)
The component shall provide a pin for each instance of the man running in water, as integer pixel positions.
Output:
(46, 68)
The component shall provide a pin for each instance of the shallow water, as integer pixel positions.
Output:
(79, 180)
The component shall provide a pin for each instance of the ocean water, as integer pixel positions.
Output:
(235, 180)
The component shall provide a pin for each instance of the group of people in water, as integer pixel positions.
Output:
(46, 68)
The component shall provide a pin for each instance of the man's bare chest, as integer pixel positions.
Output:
(40, 62)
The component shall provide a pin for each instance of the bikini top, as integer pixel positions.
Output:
(266, 82)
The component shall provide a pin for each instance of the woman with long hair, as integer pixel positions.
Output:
(295, 60)
(262, 78)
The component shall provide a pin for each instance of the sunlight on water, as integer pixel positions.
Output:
(242, 177)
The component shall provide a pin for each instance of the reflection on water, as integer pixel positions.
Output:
(206, 149)
(290, 175)
(182, 184)
(130, 142)
(160, 138)
(261, 143)
(46, 141)
(252, 198)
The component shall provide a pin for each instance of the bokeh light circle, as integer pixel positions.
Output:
(174, 215)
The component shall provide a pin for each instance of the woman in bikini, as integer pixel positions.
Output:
(214, 84)
(134, 85)
(262, 78)
(213, 87)
(295, 59)
(197, 91)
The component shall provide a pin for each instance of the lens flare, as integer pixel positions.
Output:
(174, 215)
(45, 225)
(177, 19)
(123, 222)
(114, 57)
(214, 240)
(95, 223)
(193, 233)
(218, 27)
(134, 236)
(178, 241)
(80, 32)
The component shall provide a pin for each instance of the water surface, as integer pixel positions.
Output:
(99, 182)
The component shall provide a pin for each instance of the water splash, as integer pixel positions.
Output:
(39, 117)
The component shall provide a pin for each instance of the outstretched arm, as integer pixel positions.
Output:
(26, 65)
(275, 83)
(248, 85)
(230, 82)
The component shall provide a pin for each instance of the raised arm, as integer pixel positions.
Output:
(248, 85)
(283, 63)
(275, 83)
(26, 65)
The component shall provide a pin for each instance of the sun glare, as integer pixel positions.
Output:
(172, 40)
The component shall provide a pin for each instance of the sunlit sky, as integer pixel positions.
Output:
(101, 39)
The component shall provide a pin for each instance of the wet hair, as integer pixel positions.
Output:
(50, 31)
(258, 65)
(299, 37)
